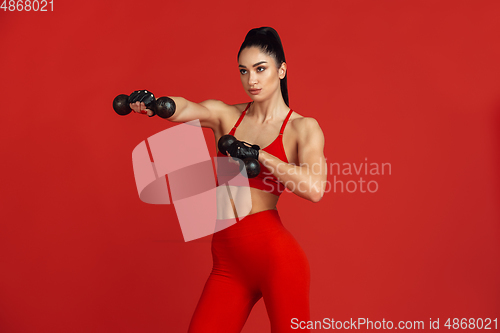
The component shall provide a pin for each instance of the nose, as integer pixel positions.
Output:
(252, 78)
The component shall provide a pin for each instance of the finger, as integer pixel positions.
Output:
(133, 107)
(136, 107)
(140, 107)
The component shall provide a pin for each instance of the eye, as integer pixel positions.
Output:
(243, 71)
(260, 69)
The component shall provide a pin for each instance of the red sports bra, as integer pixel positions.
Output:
(266, 181)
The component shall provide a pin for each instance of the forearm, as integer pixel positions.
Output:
(306, 181)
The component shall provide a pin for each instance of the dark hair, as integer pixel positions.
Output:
(269, 42)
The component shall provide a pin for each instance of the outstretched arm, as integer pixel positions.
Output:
(308, 179)
(207, 112)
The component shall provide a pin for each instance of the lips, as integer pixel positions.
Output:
(254, 91)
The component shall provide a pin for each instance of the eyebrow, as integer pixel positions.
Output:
(255, 65)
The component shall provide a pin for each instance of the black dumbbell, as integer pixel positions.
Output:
(251, 164)
(225, 142)
(164, 107)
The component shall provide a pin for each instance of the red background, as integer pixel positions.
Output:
(410, 83)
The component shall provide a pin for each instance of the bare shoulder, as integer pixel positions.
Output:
(306, 126)
(308, 139)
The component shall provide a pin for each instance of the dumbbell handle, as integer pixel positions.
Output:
(251, 165)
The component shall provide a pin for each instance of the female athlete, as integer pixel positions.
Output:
(257, 257)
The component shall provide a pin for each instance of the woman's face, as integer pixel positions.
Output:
(259, 75)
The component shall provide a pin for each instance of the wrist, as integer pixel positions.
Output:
(262, 156)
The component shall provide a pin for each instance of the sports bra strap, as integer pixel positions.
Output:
(241, 117)
(245, 111)
(286, 120)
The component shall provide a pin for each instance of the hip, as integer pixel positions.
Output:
(260, 235)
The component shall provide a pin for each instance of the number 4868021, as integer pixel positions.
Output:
(27, 6)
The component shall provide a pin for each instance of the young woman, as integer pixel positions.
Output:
(257, 257)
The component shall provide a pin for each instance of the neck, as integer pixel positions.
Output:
(270, 109)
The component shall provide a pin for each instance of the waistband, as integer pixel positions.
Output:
(253, 224)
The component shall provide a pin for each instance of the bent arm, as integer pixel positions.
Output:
(308, 179)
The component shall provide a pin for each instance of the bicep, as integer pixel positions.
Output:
(311, 145)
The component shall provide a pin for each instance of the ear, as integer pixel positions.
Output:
(282, 70)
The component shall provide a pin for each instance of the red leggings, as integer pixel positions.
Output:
(257, 257)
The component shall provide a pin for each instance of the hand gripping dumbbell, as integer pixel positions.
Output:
(228, 143)
(164, 107)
